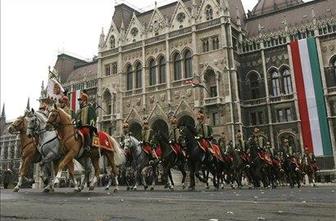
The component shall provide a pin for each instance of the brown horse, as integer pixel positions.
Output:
(29, 152)
(72, 142)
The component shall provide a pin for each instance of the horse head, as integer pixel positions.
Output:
(18, 126)
(54, 119)
(129, 143)
(33, 123)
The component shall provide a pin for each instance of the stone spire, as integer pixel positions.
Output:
(194, 9)
(28, 104)
(101, 39)
(3, 114)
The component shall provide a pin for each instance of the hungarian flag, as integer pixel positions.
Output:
(73, 98)
(312, 106)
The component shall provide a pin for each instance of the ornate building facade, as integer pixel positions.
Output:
(147, 62)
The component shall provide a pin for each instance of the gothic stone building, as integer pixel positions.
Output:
(147, 61)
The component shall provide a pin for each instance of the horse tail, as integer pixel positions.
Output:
(119, 154)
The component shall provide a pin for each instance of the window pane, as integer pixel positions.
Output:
(187, 65)
(152, 73)
(129, 80)
(162, 70)
(107, 69)
(138, 76)
(213, 91)
(177, 67)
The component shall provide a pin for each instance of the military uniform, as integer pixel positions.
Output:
(147, 142)
(240, 144)
(204, 131)
(222, 143)
(86, 120)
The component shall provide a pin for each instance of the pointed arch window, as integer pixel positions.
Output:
(129, 78)
(287, 82)
(112, 41)
(187, 64)
(177, 67)
(254, 85)
(152, 72)
(275, 76)
(208, 12)
(211, 83)
(138, 75)
(162, 70)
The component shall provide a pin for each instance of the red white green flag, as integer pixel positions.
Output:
(312, 106)
(73, 98)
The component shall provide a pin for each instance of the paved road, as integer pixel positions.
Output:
(283, 203)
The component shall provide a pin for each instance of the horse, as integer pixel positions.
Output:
(171, 156)
(310, 168)
(198, 159)
(73, 148)
(29, 153)
(293, 171)
(48, 146)
(140, 162)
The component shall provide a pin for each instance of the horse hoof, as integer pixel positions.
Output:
(91, 188)
(81, 188)
(107, 188)
(128, 188)
(52, 190)
(134, 189)
(171, 188)
(191, 188)
(46, 190)
(183, 187)
(115, 190)
(16, 189)
(77, 190)
(152, 188)
(145, 187)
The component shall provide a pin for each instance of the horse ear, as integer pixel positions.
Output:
(32, 110)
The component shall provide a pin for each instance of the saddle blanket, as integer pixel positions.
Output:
(102, 141)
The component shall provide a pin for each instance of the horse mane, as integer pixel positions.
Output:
(136, 141)
(163, 137)
(42, 118)
(63, 113)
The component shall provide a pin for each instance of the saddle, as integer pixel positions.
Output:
(215, 150)
(148, 150)
(266, 157)
(228, 158)
(176, 148)
(244, 157)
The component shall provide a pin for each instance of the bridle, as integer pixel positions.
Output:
(16, 126)
(53, 121)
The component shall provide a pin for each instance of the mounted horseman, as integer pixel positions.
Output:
(204, 131)
(147, 143)
(86, 120)
(175, 136)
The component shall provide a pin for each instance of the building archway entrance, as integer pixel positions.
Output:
(186, 120)
(161, 125)
(135, 129)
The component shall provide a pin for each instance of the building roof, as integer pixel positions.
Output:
(87, 72)
(267, 6)
(123, 13)
(294, 16)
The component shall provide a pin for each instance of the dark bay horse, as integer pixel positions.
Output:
(170, 158)
(198, 160)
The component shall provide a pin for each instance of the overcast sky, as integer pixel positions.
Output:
(34, 32)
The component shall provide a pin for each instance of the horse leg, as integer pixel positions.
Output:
(184, 174)
(95, 162)
(114, 171)
(24, 167)
(67, 159)
(71, 169)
